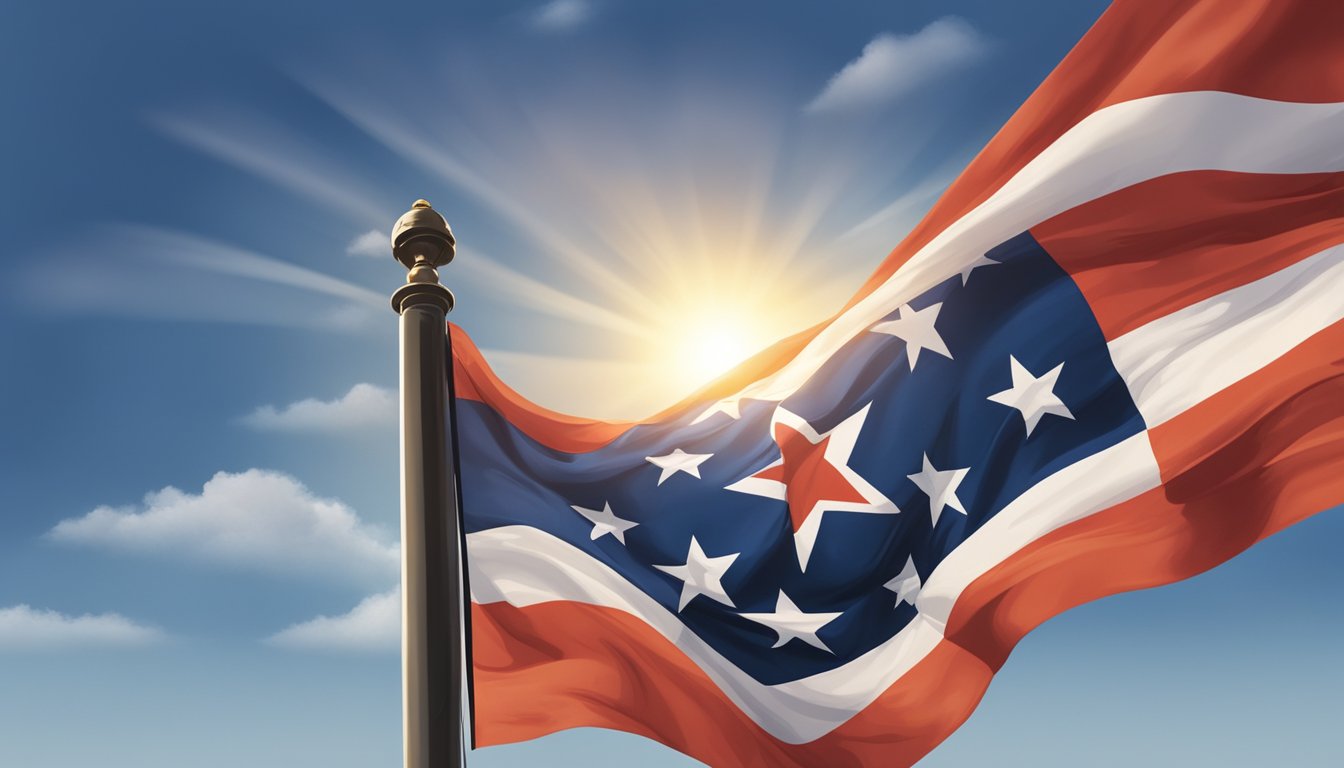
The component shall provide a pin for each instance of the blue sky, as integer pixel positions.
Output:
(198, 451)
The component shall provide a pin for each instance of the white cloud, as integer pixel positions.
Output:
(894, 65)
(26, 628)
(562, 15)
(373, 244)
(373, 625)
(363, 406)
(255, 519)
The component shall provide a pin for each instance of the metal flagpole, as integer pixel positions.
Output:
(431, 576)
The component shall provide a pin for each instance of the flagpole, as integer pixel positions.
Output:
(431, 577)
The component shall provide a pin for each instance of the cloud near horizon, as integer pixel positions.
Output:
(365, 405)
(258, 519)
(373, 625)
(892, 66)
(23, 627)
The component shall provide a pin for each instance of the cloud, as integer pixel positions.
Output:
(506, 284)
(256, 519)
(894, 65)
(26, 628)
(373, 625)
(363, 406)
(140, 271)
(562, 15)
(258, 145)
(373, 244)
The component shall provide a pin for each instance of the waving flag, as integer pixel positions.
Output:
(1109, 358)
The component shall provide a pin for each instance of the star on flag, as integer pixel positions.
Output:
(605, 522)
(813, 476)
(790, 623)
(980, 261)
(940, 486)
(730, 405)
(678, 461)
(1033, 396)
(906, 584)
(915, 328)
(701, 575)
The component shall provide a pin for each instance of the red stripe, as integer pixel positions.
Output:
(1148, 250)
(562, 665)
(1283, 470)
(1303, 384)
(1271, 49)
(473, 380)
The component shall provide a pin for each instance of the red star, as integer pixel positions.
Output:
(813, 475)
(809, 479)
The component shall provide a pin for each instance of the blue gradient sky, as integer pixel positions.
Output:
(185, 205)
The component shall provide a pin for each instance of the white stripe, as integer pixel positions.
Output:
(525, 566)
(1111, 149)
(1098, 482)
(1176, 361)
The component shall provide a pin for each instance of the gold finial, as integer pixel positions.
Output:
(421, 236)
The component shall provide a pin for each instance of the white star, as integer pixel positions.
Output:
(980, 261)
(701, 575)
(1033, 396)
(940, 487)
(906, 585)
(729, 405)
(790, 623)
(678, 461)
(915, 327)
(605, 522)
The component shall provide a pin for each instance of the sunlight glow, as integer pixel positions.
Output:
(711, 345)
(671, 240)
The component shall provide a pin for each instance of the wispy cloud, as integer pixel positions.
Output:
(894, 65)
(373, 244)
(142, 271)
(25, 628)
(270, 152)
(506, 284)
(373, 625)
(902, 213)
(562, 15)
(255, 519)
(363, 406)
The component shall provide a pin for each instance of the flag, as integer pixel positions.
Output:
(1108, 358)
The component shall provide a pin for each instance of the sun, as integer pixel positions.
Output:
(716, 351)
(711, 344)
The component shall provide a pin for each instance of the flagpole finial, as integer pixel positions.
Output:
(422, 241)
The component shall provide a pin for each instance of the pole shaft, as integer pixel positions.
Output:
(432, 674)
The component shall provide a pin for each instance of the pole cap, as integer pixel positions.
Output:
(422, 236)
